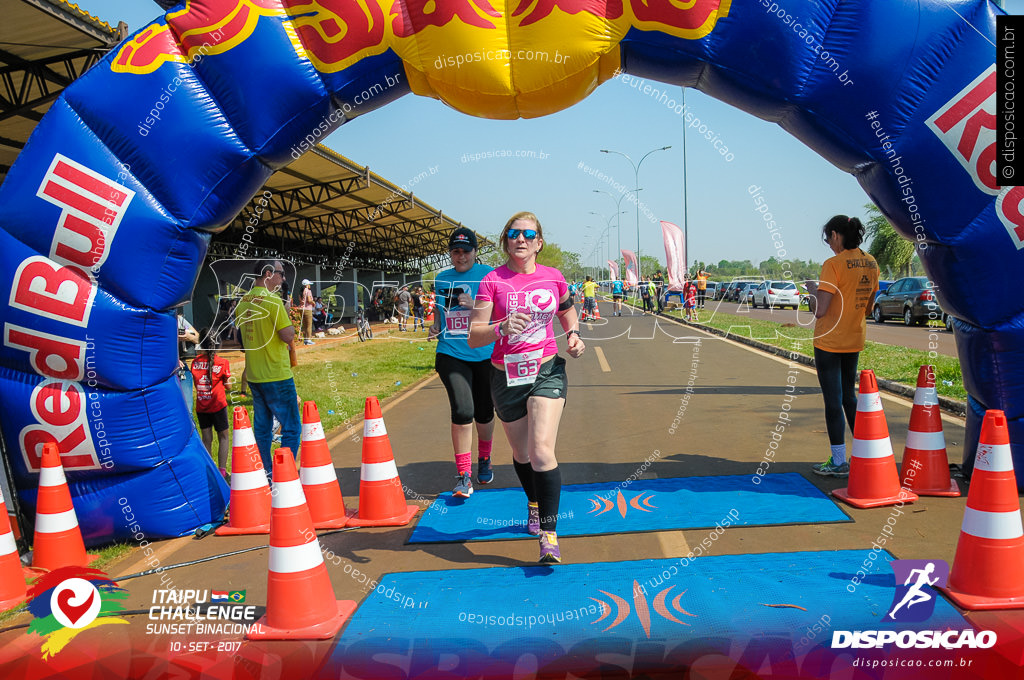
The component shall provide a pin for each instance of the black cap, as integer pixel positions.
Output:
(463, 239)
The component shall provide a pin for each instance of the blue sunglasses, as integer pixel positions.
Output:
(528, 234)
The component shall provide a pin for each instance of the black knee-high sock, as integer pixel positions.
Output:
(525, 473)
(549, 490)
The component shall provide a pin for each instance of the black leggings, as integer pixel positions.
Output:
(468, 384)
(837, 375)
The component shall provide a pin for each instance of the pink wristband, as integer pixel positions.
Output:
(497, 331)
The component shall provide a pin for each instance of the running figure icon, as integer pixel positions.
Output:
(915, 595)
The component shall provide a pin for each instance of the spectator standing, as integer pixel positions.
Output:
(187, 339)
(659, 290)
(690, 300)
(403, 299)
(307, 306)
(645, 295)
(267, 334)
(211, 374)
(417, 308)
(847, 286)
(702, 288)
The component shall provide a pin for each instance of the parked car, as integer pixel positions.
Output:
(774, 294)
(911, 299)
(711, 293)
(739, 293)
(725, 292)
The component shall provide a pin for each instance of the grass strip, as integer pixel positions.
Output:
(899, 364)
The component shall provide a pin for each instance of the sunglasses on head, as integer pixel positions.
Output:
(528, 234)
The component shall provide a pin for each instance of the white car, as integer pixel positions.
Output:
(776, 294)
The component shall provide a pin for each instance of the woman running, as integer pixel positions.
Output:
(515, 309)
(465, 372)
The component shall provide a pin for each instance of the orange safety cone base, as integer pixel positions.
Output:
(332, 523)
(980, 602)
(228, 530)
(34, 571)
(319, 631)
(933, 483)
(952, 492)
(904, 495)
(12, 603)
(396, 521)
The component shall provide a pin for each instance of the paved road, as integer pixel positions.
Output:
(634, 396)
(923, 338)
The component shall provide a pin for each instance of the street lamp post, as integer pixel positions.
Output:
(636, 177)
(618, 223)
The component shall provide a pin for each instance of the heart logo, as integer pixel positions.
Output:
(75, 603)
(73, 612)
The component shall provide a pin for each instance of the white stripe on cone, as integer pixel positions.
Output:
(374, 427)
(8, 545)
(295, 558)
(47, 523)
(871, 448)
(243, 437)
(993, 458)
(999, 525)
(926, 396)
(247, 481)
(312, 432)
(869, 401)
(320, 474)
(288, 494)
(378, 472)
(52, 476)
(926, 441)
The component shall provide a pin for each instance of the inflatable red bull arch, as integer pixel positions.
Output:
(109, 209)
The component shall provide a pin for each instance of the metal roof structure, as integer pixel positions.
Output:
(44, 46)
(325, 209)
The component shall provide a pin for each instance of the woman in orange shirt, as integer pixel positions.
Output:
(844, 292)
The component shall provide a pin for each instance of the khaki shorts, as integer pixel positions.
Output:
(510, 402)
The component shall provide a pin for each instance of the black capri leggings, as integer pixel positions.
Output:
(837, 375)
(468, 384)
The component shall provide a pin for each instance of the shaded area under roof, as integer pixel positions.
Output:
(325, 209)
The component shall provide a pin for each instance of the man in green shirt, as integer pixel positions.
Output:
(267, 333)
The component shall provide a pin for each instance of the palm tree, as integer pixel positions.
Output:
(891, 250)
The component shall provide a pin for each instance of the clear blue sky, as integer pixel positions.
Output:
(414, 133)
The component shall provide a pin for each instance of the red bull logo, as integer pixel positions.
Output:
(567, 45)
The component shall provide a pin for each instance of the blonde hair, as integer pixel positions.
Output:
(512, 220)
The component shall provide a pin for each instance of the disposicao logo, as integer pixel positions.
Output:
(70, 600)
(914, 602)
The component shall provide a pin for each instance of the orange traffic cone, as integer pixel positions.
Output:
(874, 481)
(925, 468)
(319, 480)
(597, 310)
(381, 498)
(300, 597)
(988, 569)
(12, 581)
(58, 541)
(249, 507)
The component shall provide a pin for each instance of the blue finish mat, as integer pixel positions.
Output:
(491, 618)
(644, 505)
